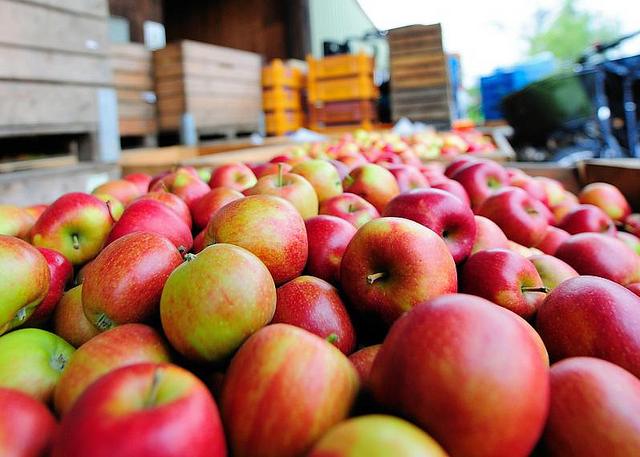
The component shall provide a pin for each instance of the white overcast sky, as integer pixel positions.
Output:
(487, 33)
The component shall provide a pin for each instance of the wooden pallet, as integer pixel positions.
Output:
(220, 87)
(339, 113)
(133, 79)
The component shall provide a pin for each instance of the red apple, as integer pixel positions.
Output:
(441, 212)
(453, 362)
(630, 240)
(184, 183)
(121, 346)
(315, 305)
(116, 208)
(600, 255)
(236, 176)
(634, 287)
(25, 281)
(632, 224)
(173, 202)
(69, 320)
(213, 302)
(270, 168)
(362, 360)
(141, 180)
(126, 280)
(60, 273)
(458, 164)
(566, 205)
(552, 240)
(392, 264)
(328, 237)
(407, 177)
(269, 227)
(520, 217)
(376, 434)
(350, 207)
(300, 385)
(593, 410)
(553, 189)
(373, 183)
(147, 409)
(198, 242)
(76, 225)
(293, 188)
(209, 203)
(16, 221)
(591, 316)
(608, 198)
(552, 270)
(534, 188)
(27, 425)
(488, 235)
(505, 278)
(587, 218)
(453, 187)
(154, 217)
(480, 180)
(322, 175)
(125, 191)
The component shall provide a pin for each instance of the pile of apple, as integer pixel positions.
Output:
(331, 303)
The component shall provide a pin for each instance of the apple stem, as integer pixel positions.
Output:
(280, 175)
(152, 398)
(332, 338)
(108, 203)
(375, 276)
(76, 241)
(544, 290)
(348, 180)
(350, 208)
(188, 257)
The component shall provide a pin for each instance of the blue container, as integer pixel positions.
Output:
(506, 81)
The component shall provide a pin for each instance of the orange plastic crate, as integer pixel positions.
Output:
(280, 98)
(277, 74)
(281, 122)
(343, 89)
(339, 66)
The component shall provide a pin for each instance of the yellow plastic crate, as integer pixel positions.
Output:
(339, 66)
(343, 89)
(277, 74)
(281, 98)
(281, 122)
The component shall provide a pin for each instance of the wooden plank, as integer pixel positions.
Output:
(216, 70)
(119, 64)
(132, 95)
(25, 24)
(398, 73)
(32, 104)
(212, 123)
(426, 81)
(415, 29)
(426, 59)
(35, 164)
(135, 127)
(138, 81)
(220, 102)
(209, 52)
(97, 8)
(130, 51)
(420, 95)
(197, 86)
(422, 49)
(52, 66)
(140, 110)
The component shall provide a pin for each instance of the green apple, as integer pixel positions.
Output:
(32, 361)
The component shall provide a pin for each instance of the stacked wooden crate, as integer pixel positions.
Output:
(420, 88)
(282, 98)
(219, 87)
(341, 91)
(54, 59)
(133, 79)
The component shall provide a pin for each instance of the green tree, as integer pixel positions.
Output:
(567, 33)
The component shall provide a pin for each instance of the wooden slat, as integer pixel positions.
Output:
(425, 59)
(34, 164)
(413, 30)
(140, 110)
(132, 95)
(25, 24)
(207, 69)
(119, 64)
(139, 81)
(97, 8)
(220, 102)
(131, 51)
(208, 52)
(131, 127)
(32, 104)
(427, 81)
(433, 71)
(53, 66)
(409, 51)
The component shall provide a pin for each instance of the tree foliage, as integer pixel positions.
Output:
(569, 31)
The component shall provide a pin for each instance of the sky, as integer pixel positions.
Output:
(487, 33)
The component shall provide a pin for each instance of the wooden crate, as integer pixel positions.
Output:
(419, 75)
(54, 59)
(622, 173)
(220, 87)
(133, 79)
(336, 113)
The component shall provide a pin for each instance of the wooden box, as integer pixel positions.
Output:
(54, 58)
(133, 79)
(220, 87)
(336, 113)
